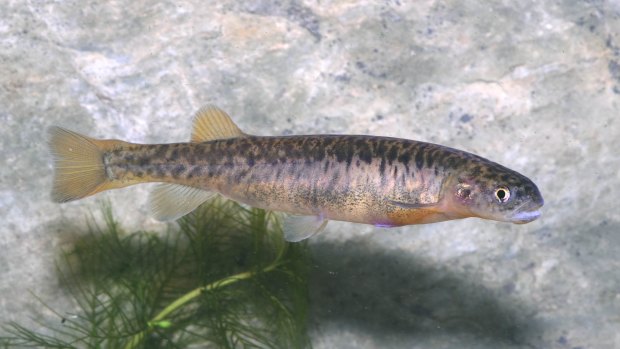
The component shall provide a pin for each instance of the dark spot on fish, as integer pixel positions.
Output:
(161, 151)
(450, 161)
(382, 166)
(365, 154)
(381, 148)
(139, 174)
(328, 141)
(419, 159)
(326, 167)
(404, 158)
(178, 170)
(201, 149)
(395, 172)
(250, 159)
(491, 176)
(340, 153)
(211, 157)
(439, 157)
(363, 151)
(174, 155)
(344, 153)
(357, 163)
(429, 159)
(159, 171)
(191, 157)
(349, 157)
(229, 142)
(243, 147)
(475, 171)
(143, 161)
(129, 157)
(319, 152)
(392, 153)
(305, 145)
(184, 150)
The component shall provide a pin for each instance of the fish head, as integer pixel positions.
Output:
(491, 191)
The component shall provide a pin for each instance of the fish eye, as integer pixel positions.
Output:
(502, 194)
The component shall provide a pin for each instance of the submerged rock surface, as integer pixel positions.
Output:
(534, 86)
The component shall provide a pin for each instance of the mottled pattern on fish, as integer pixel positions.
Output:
(348, 177)
(366, 179)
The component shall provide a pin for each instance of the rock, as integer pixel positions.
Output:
(534, 86)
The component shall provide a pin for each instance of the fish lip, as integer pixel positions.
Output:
(525, 216)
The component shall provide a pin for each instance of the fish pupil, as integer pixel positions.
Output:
(502, 194)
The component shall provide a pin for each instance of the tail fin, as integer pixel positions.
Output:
(78, 165)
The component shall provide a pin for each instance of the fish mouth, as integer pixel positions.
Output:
(527, 212)
(525, 216)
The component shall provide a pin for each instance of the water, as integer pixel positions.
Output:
(534, 86)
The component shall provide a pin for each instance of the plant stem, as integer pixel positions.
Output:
(179, 302)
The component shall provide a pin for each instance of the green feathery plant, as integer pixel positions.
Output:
(227, 279)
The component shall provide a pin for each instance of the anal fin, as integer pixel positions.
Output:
(172, 201)
(297, 228)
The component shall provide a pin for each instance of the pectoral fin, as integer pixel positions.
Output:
(172, 201)
(297, 228)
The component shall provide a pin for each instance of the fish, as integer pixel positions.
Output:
(382, 181)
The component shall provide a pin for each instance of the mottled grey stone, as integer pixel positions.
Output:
(532, 85)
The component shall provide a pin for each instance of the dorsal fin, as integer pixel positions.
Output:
(212, 123)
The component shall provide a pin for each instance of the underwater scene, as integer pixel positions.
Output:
(303, 174)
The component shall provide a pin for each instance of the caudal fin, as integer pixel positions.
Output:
(78, 165)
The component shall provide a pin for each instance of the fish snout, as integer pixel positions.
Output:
(530, 212)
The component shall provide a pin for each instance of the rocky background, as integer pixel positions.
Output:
(533, 85)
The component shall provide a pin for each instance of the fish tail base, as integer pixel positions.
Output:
(79, 170)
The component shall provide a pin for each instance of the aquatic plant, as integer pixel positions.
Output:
(226, 278)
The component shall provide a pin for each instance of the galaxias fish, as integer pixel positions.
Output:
(365, 179)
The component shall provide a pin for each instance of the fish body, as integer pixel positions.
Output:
(364, 179)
